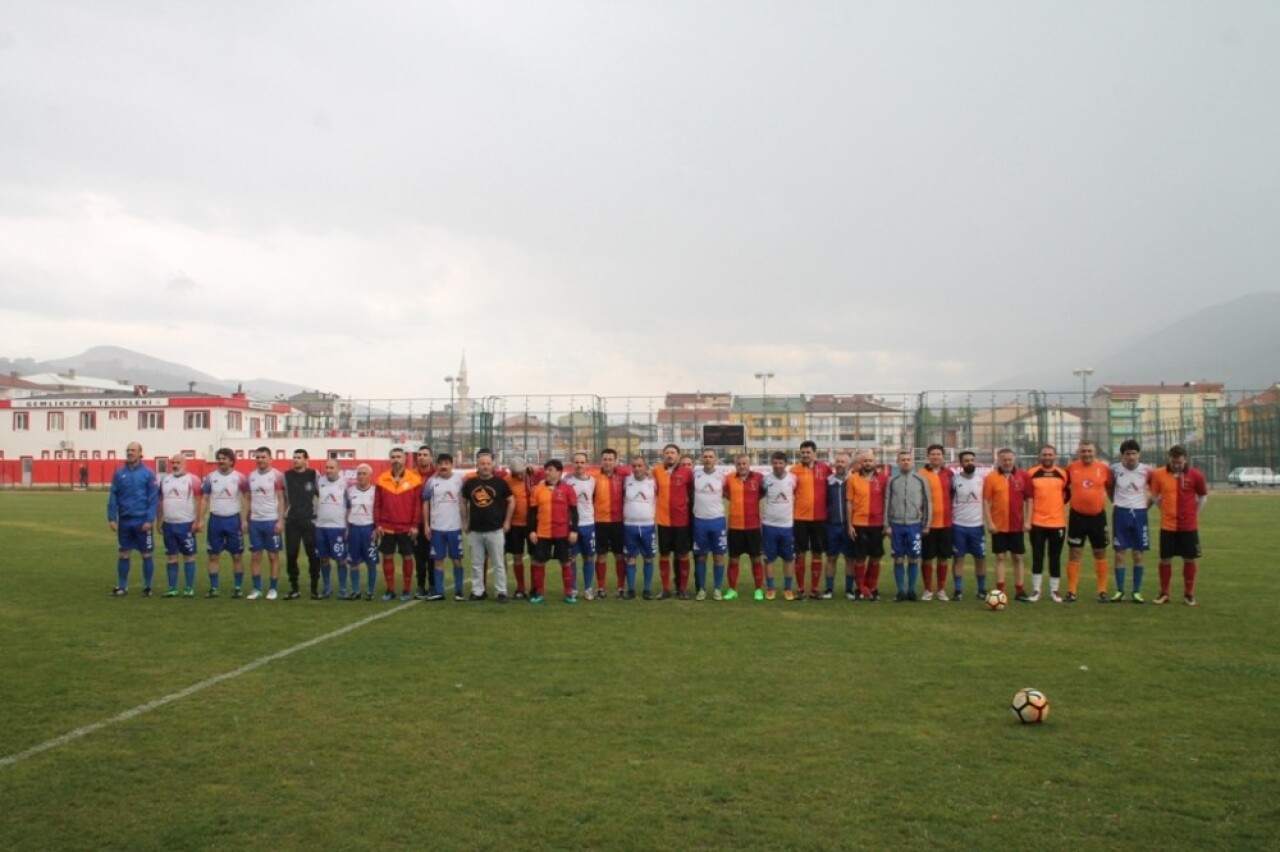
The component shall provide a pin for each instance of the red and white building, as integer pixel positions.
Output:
(48, 439)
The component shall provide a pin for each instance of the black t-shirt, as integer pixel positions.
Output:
(486, 502)
(300, 489)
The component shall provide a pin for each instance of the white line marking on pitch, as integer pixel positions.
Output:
(193, 689)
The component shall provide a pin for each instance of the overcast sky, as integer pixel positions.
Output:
(629, 197)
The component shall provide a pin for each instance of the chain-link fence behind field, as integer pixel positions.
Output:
(1221, 429)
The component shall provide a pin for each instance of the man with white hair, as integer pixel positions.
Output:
(361, 545)
(180, 499)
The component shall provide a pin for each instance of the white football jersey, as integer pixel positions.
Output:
(966, 499)
(360, 505)
(1131, 485)
(779, 500)
(178, 497)
(640, 501)
(586, 490)
(224, 490)
(265, 490)
(445, 496)
(331, 503)
(708, 493)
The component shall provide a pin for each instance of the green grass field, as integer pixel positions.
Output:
(630, 724)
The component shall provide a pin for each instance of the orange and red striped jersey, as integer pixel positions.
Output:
(397, 503)
(1088, 487)
(811, 491)
(608, 499)
(866, 498)
(1178, 493)
(522, 490)
(939, 495)
(553, 510)
(1049, 493)
(1007, 494)
(675, 495)
(744, 500)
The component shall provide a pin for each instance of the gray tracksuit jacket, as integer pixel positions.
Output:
(907, 499)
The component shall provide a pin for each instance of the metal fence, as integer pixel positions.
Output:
(1221, 431)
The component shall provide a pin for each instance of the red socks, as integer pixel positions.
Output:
(757, 572)
(406, 573)
(682, 577)
(942, 575)
(568, 579)
(664, 569)
(926, 574)
(798, 570)
(539, 579)
(517, 568)
(389, 572)
(815, 573)
(1166, 574)
(602, 574)
(1189, 578)
(734, 568)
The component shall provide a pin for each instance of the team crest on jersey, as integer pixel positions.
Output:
(483, 497)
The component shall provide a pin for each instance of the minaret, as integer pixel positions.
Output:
(463, 407)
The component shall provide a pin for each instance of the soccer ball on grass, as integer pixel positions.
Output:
(997, 600)
(1030, 706)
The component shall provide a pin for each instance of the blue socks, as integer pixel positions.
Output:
(122, 572)
(326, 574)
(373, 578)
(171, 572)
(982, 585)
(148, 570)
(913, 573)
(355, 579)
(1137, 578)
(718, 573)
(900, 577)
(631, 576)
(342, 578)
(700, 573)
(275, 583)
(189, 574)
(648, 574)
(213, 579)
(786, 583)
(1120, 572)
(437, 581)
(457, 579)
(257, 582)
(239, 579)
(589, 571)
(848, 582)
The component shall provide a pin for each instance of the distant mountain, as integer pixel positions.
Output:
(1236, 342)
(114, 362)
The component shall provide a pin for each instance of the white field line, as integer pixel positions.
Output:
(72, 736)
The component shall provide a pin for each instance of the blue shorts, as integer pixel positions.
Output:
(329, 543)
(838, 541)
(777, 541)
(586, 543)
(131, 536)
(1131, 532)
(638, 541)
(710, 535)
(263, 536)
(178, 539)
(360, 546)
(905, 540)
(446, 544)
(224, 534)
(969, 541)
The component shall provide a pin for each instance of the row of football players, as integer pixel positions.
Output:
(679, 510)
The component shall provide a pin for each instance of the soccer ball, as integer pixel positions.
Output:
(997, 600)
(1030, 706)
